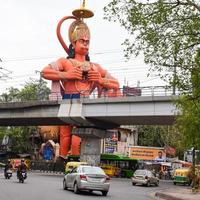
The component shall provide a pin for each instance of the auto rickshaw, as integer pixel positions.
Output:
(70, 165)
(110, 170)
(183, 176)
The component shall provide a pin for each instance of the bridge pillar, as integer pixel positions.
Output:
(90, 144)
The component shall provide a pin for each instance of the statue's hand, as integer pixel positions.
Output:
(74, 73)
(94, 76)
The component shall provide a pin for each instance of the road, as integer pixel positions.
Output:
(49, 187)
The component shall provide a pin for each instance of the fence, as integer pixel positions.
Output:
(123, 92)
(48, 166)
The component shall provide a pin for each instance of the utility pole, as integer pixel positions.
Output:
(39, 89)
(174, 81)
(193, 166)
(4, 72)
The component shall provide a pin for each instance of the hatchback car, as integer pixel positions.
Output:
(85, 177)
(144, 177)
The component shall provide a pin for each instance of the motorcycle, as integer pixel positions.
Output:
(22, 175)
(8, 174)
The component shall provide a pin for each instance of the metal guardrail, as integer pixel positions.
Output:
(138, 91)
(126, 91)
(47, 166)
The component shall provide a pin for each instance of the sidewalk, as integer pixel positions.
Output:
(177, 194)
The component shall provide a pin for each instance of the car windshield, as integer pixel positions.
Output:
(140, 173)
(92, 170)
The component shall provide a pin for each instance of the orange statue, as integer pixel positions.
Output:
(78, 76)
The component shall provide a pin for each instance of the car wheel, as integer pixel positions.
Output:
(76, 190)
(104, 193)
(64, 185)
(157, 183)
(133, 183)
(174, 183)
(148, 184)
(190, 183)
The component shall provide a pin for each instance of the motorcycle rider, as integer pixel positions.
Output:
(8, 166)
(21, 167)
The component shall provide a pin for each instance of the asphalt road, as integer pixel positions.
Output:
(49, 187)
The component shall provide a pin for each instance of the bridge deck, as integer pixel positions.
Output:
(102, 112)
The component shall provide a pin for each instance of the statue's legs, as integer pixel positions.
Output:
(75, 146)
(69, 144)
(65, 139)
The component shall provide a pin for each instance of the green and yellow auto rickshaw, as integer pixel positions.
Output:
(182, 176)
(70, 165)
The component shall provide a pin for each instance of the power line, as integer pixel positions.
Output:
(4, 73)
(56, 56)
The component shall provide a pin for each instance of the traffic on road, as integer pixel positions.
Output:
(49, 187)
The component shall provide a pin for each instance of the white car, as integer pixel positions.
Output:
(144, 177)
(85, 177)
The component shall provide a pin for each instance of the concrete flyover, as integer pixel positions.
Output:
(101, 112)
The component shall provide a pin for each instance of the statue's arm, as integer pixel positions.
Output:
(110, 82)
(62, 69)
(106, 80)
(108, 85)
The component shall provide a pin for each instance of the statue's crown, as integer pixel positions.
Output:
(77, 30)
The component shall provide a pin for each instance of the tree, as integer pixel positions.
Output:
(20, 136)
(12, 95)
(161, 136)
(189, 104)
(33, 90)
(166, 32)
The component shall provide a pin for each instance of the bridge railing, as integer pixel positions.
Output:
(48, 166)
(137, 91)
(122, 92)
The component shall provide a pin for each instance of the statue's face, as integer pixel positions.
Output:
(81, 46)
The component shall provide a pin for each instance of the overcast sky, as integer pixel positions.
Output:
(28, 41)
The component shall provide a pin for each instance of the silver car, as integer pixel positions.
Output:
(85, 177)
(144, 177)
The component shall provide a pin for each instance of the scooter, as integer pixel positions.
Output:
(8, 174)
(22, 175)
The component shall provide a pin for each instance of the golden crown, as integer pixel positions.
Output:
(77, 30)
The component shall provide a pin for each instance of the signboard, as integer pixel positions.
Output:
(189, 155)
(110, 145)
(131, 91)
(148, 153)
(111, 142)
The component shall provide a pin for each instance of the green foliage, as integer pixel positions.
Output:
(32, 90)
(166, 32)
(20, 136)
(161, 136)
(189, 105)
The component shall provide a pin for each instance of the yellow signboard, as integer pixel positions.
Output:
(147, 153)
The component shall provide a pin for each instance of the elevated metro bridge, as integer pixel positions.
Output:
(85, 112)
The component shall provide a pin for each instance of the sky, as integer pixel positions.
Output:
(28, 42)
